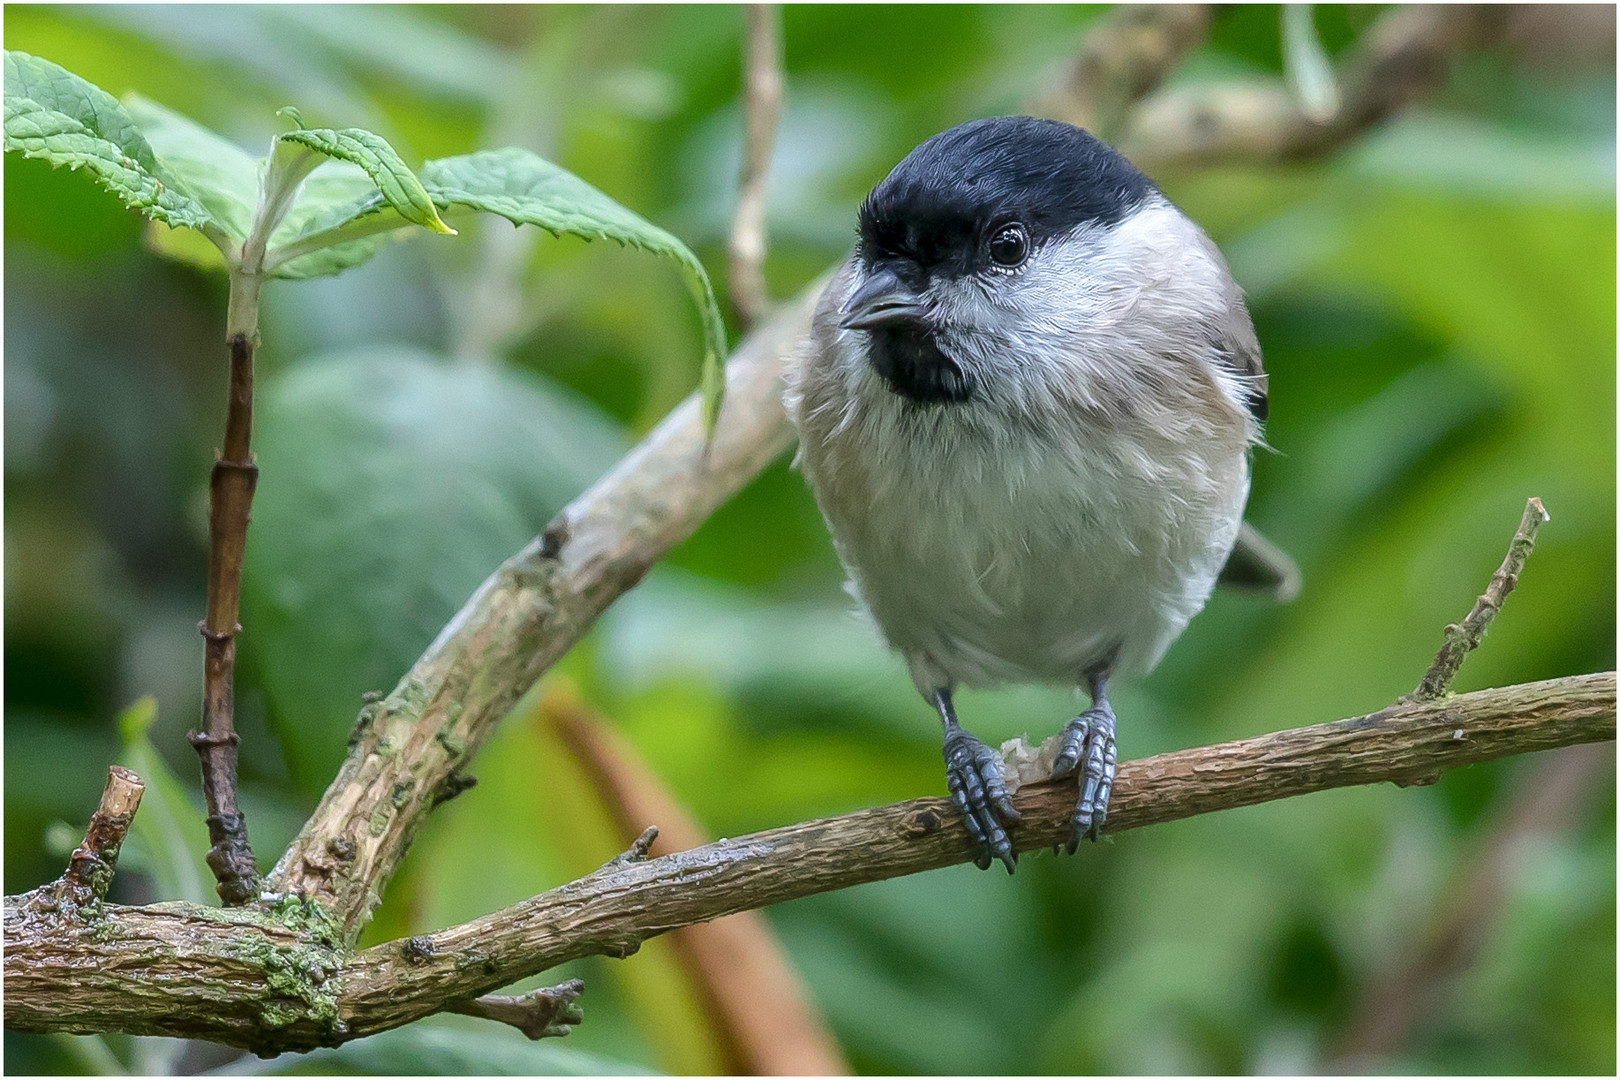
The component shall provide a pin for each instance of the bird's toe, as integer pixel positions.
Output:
(973, 774)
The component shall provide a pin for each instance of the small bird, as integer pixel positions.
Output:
(1026, 413)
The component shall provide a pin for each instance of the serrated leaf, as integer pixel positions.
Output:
(169, 826)
(220, 175)
(446, 471)
(517, 185)
(394, 179)
(526, 189)
(52, 114)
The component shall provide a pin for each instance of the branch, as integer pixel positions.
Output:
(1401, 59)
(230, 498)
(406, 748)
(175, 969)
(1124, 57)
(762, 104)
(1464, 638)
(751, 991)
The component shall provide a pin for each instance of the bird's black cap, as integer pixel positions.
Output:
(936, 206)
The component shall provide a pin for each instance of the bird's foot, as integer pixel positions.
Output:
(973, 773)
(1088, 745)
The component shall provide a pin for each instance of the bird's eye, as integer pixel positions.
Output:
(1010, 245)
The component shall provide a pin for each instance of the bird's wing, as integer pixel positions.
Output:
(1238, 349)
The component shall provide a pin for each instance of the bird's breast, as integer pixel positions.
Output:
(1010, 551)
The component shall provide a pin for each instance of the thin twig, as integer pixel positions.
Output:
(550, 1013)
(1463, 638)
(1124, 57)
(762, 104)
(637, 851)
(230, 499)
(90, 869)
(1402, 59)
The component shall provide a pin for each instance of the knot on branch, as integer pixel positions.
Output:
(636, 852)
(230, 857)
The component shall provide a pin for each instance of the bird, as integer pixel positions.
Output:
(1027, 410)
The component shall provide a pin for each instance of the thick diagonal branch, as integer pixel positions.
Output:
(266, 987)
(530, 612)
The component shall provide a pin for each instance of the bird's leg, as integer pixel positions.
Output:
(973, 773)
(1088, 744)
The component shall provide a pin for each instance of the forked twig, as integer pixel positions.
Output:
(1464, 637)
(762, 104)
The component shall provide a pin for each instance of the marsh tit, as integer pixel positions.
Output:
(1026, 413)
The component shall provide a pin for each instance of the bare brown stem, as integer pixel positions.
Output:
(230, 500)
(1463, 638)
(762, 104)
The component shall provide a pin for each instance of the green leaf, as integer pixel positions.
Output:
(168, 831)
(54, 115)
(220, 175)
(398, 185)
(528, 190)
(330, 231)
(393, 484)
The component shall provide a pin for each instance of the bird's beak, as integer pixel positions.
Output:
(882, 300)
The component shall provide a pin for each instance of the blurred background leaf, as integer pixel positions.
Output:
(1437, 307)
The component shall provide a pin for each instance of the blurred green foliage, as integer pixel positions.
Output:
(1436, 303)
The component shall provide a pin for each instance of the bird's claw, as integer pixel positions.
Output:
(973, 774)
(1088, 745)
